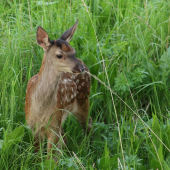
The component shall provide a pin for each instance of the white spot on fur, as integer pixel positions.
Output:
(62, 90)
(83, 77)
(69, 80)
(79, 87)
(72, 96)
(65, 81)
(82, 84)
(72, 77)
(77, 81)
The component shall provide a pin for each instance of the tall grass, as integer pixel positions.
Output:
(126, 40)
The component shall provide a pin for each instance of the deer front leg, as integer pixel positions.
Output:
(82, 115)
(54, 136)
(37, 142)
(83, 122)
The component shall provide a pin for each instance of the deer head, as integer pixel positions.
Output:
(58, 54)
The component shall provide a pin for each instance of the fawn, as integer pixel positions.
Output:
(60, 87)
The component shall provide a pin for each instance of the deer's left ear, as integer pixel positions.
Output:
(69, 33)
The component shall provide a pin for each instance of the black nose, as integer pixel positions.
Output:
(82, 69)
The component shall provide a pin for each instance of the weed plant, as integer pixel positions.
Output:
(125, 44)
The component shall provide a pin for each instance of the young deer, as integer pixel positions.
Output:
(60, 87)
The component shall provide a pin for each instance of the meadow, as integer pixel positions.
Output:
(125, 44)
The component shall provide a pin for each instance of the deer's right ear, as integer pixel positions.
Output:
(42, 38)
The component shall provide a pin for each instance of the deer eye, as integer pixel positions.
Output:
(59, 56)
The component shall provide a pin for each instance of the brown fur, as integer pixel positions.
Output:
(58, 85)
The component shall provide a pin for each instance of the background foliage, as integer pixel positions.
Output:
(131, 38)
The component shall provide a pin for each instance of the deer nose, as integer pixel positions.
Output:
(82, 69)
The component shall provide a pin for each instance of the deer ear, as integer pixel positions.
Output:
(42, 38)
(69, 33)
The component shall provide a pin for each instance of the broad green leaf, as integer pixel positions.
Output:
(113, 161)
(14, 137)
(155, 164)
(168, 160)
(104, 162)
(165, 166)
(141, 167)
(16, 134)
(159, 148)
(157, 130)
(1, 144)
(167, 138)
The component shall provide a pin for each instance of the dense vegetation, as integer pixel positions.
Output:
(125, 44)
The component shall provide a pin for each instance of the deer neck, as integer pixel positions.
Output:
(46, 87)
